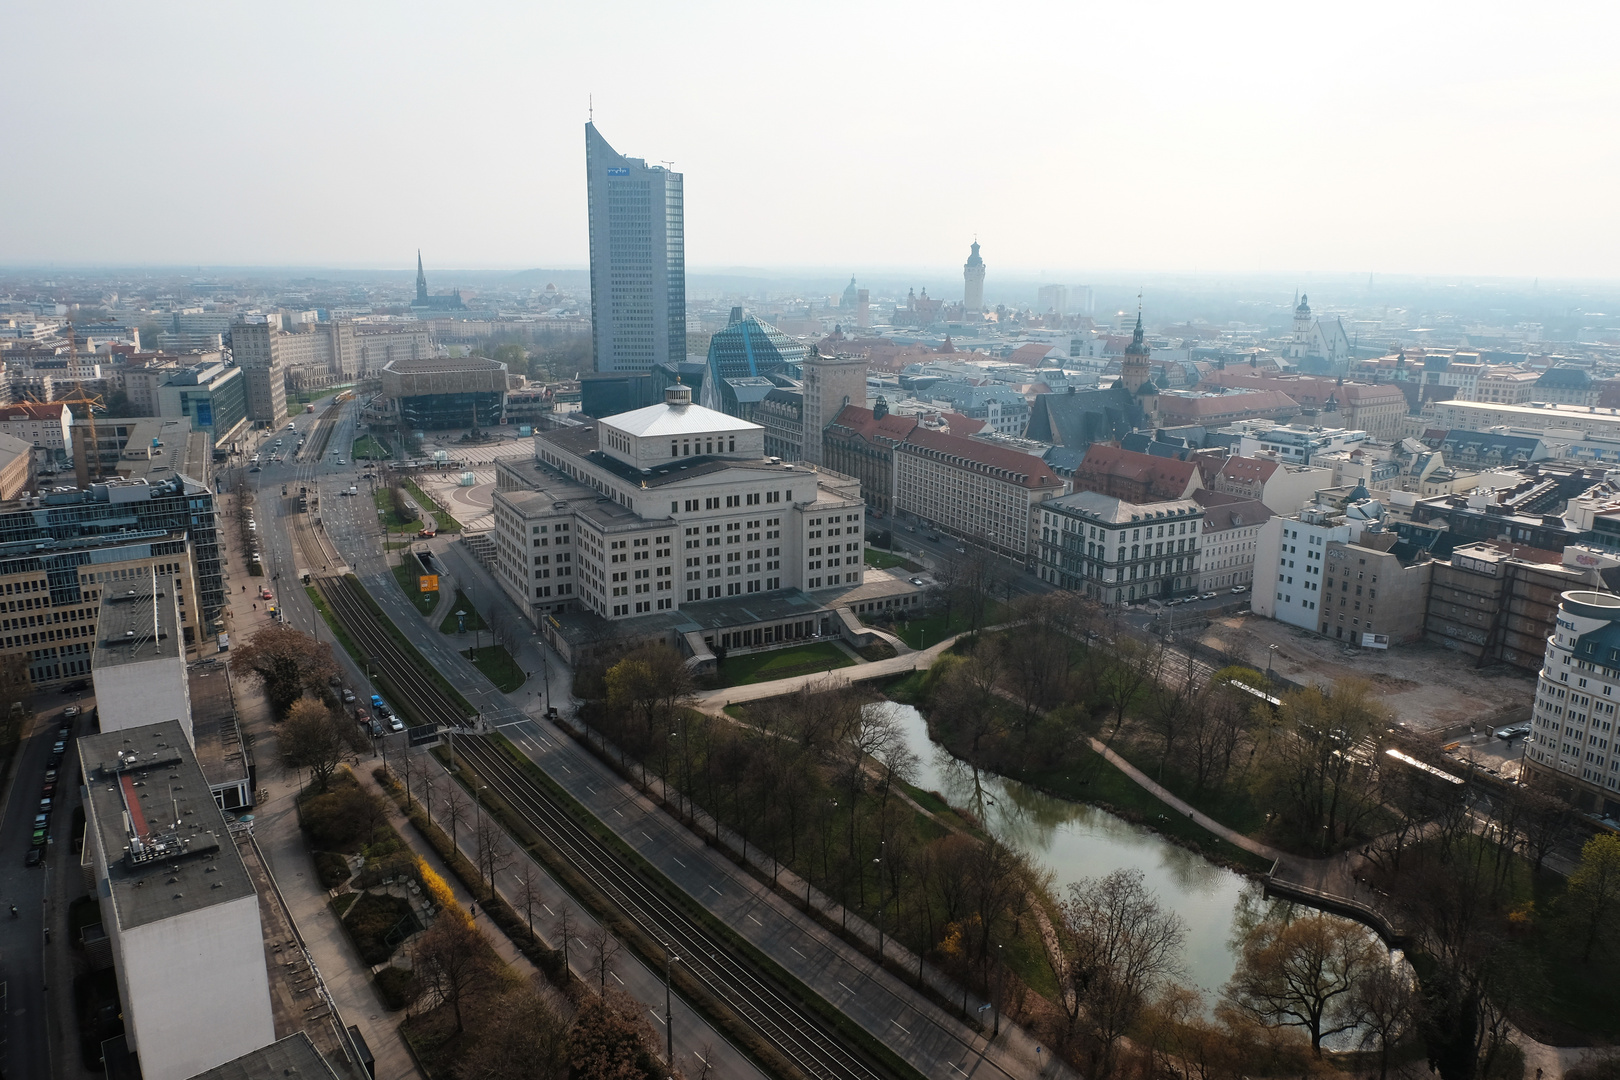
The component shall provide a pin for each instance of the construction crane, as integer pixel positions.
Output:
(90, 403)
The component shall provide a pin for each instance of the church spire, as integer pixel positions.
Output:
(421, 279)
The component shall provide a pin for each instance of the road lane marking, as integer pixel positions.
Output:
(717, 892)
(756, 921)
(679, 863)
(801, 955)
(901, 1026)
(841, 983)
(644, 833)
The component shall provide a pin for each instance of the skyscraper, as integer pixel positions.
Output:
(973, 281)
(638, 259)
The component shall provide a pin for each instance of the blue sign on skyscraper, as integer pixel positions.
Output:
(618, 172)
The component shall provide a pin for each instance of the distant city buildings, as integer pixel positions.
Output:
(638, 259)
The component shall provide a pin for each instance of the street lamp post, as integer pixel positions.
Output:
(1270, 655)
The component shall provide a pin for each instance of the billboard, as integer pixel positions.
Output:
(427, 583)
(423, 735)
(1375, 641)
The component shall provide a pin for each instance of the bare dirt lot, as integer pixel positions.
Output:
(1425, 685)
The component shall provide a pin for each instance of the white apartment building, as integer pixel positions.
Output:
(1288, 566)
(1117, 551)
(48, 428)
(1231, 539)
(1572, 725)
(656, 510)
(178, 906)
(1563, 421)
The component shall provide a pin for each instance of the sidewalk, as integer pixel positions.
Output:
(693, 1033)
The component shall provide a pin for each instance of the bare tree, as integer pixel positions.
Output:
(564, 929)
(494, 853)
(1130, 667)
(529, 895)
(1385, 1003)
(604, 949)
(1121, 949)
(457, 809)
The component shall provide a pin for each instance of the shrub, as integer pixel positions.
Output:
(437, 889)
(371, 919)
(397, 986)
(331, 868)
(343, 903)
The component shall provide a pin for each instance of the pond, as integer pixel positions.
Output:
(1074, 841)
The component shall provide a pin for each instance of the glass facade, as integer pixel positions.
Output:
(436, 412)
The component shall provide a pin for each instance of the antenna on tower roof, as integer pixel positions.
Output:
(590, 108)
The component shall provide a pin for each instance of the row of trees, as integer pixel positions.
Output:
(815, 780)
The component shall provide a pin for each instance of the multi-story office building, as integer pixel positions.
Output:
(1507, 386)
(212, 396)
(114, 510)
(673, 515)
(861, 442)
(638, 259)
(982, 493)
(254, 345)
(177, 904)
(1494, 604)
(1565, 385)
(1573, 721)
(1119, 552)
(50, 592)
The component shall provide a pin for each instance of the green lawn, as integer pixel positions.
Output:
(409, 577)
(921, 633)
(780, 664)
(370, 447)
(384, 500)
(442, 518)
(498, 666)
(885, 560)
(474, 621)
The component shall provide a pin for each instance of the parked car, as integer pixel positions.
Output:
(58, 748)
(75, 686)
(376, 700)
(34, 857)
(70, 712)
(50, 775)
(395, 724)
(1514, 732)
(1208, 596)
(348, 696)
(48, 788)
(63, 731)
(375, 728)
(45, 805)
(1239, 589)
(916, 581)
(265, 593)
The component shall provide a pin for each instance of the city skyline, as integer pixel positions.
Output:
(1268, 139)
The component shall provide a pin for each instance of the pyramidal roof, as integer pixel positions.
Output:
(665, 419)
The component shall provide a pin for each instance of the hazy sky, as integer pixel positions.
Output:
(1466, 138)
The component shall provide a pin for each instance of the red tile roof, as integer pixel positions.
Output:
(1025, 470)
(1165, 478)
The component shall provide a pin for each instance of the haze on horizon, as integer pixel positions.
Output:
(1251, 138)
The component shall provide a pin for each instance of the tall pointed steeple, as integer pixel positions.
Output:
(421, 279)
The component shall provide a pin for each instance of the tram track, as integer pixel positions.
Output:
(762, 1001)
